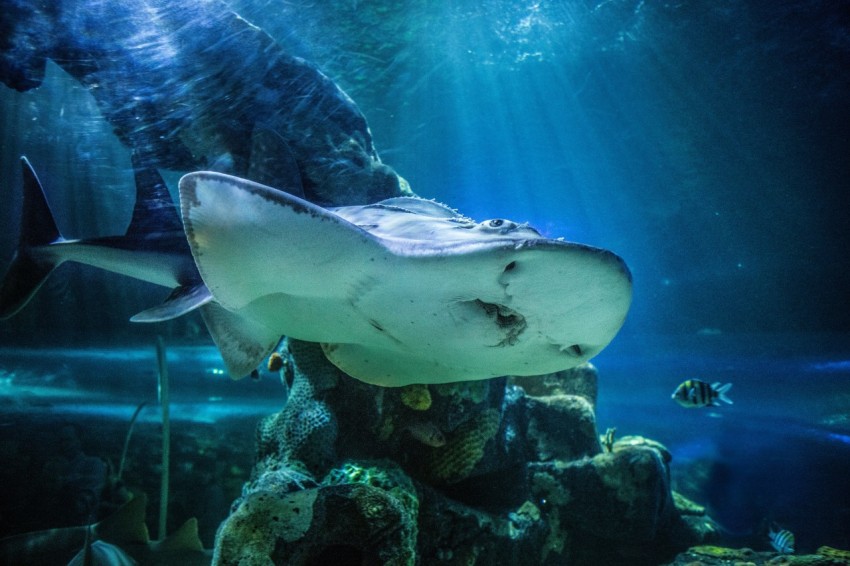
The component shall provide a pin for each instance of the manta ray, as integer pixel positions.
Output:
(398, 292)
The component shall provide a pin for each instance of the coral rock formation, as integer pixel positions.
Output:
(520, 479)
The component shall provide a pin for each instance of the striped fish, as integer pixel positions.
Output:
(782, 541)
(695, 393)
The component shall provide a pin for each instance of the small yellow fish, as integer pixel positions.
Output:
(427, 433)
(276, 362)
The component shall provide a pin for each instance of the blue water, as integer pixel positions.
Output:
(95, 392)
(704, 142)
(111, 382)
(780, 453)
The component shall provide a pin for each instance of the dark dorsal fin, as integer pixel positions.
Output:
(28, 272)
(126, 525)
(38, 228)
(183, 539)
(155, 210)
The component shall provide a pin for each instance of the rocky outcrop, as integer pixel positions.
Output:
(343, 476)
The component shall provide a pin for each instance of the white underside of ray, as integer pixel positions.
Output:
(568, 310)
(395, 309)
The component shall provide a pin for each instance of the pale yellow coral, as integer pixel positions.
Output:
(416, 396)
(529, 510)
(721, 552)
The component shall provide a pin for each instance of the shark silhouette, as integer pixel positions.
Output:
(123, 535)
(154, 249)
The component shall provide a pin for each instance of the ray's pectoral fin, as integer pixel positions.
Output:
(241, 233)
(243, 343)
(181, 301)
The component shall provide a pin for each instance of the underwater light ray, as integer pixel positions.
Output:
(836, 366)
(491, 106)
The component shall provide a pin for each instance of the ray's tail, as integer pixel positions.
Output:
(29, 269)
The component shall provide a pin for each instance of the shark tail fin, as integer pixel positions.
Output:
(183, 539)
(125, 525)
(29, 270)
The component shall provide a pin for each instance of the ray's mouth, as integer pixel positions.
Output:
(573, 349)
(583, 351)
(509, 322)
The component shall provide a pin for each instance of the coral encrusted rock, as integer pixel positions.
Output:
(501, 471)
(334, 524)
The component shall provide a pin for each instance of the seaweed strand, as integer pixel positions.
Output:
(127, 438)
(162, 369)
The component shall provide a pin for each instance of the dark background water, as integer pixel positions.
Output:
(706, 143)
(779, 455)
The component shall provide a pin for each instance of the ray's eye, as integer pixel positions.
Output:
(498, 226)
